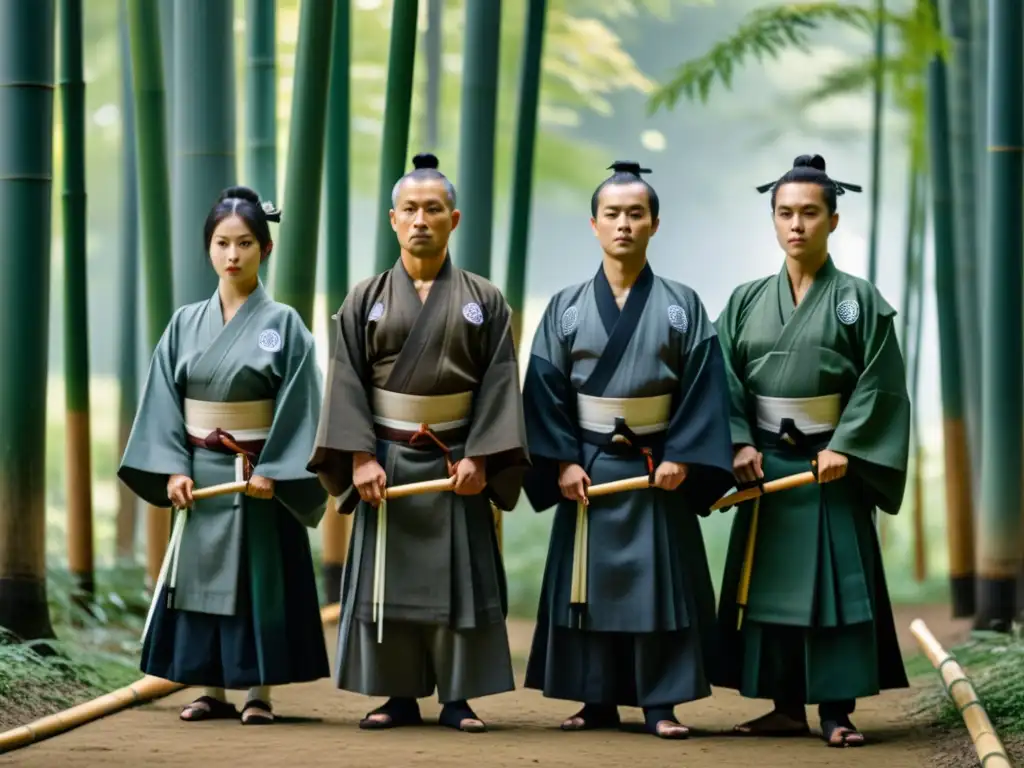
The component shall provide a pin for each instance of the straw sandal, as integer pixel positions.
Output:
(257, 712)
(392, 714)
(208, 708)
(661, 722)
(458, 715)
(593, 717)
(848, 734)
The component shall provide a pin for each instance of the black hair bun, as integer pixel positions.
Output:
(424, 160)
(242, 193)
(628, 166)
(810, 161)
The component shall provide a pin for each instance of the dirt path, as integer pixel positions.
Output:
(524, 731)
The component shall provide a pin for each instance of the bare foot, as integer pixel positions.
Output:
(775, 723)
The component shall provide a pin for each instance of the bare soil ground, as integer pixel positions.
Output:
(318, 727)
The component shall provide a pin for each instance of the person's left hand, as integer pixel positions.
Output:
(669, 475)
(470, 476)
(260, 487)
(831, 466)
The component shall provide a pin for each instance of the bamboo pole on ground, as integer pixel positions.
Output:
(961, 691)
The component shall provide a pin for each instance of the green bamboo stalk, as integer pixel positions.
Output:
(261, 103)
(151, 153)
(397, 109)
(433, 50)
(336, 179)
(128, 303)
(296, 254)
(204, 134)
(26, 186)
(166, 9)
(476, 135)
(154, 202)
(999, 531)
(959, 512)
(522, 183)
(957, 26)
(876, 142)
(78, 458)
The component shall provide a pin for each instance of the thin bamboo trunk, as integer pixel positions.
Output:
(78, 450)
(477, 135)
(204, 134)
(26, 186)
(166, 10)
(397, 108)
(261, 103)
(876, 142)
(959, 508)
(522, 183)
(336, 528)
(433, 50)
(999, 542)
(296, 259)
(128, 299)
(154, 203)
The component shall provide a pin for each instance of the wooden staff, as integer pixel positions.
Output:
(578, 586)
(772, 486)
(986, 742)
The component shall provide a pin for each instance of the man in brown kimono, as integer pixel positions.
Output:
(423, 385)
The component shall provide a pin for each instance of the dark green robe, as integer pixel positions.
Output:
(818, 624)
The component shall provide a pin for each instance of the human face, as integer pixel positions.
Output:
(235, 252)
(423, 219)
(802, 221)
(623, 224)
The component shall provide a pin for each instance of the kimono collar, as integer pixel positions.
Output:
(252, 301)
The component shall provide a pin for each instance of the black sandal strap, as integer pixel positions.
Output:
(454, 712)
(218, 709)
(655, 715)
(830, 726)
(399, 711)
(596, 717)
(258, 703)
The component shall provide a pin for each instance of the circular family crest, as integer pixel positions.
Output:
(473, 313)
(570, 318)
(376, 312)
(848, 310)
(677, 318)
(270, 340)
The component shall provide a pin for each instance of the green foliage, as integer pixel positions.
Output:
(995, 665)
(768, 32)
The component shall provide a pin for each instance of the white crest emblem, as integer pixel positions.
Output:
(677, 318)
(473, 313)
(570, 318)
(848, 310)
(376, 312)
(270, 340)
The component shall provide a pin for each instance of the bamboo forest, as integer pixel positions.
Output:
(132, 132)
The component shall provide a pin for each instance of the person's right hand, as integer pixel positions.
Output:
(368, 478)
(179, 491)
(746, 464)
(573, 482)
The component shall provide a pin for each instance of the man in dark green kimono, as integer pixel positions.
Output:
(817, 382)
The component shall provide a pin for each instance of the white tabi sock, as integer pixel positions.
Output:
(261, 692)
(215, 693)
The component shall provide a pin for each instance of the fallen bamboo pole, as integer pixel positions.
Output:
(959, 688)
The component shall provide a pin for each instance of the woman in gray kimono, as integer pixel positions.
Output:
(233, 393)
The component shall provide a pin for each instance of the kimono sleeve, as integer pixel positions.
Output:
(346, 419)
(497, 431)
(874, 429)
(552, 430)
(157, 446)
(698, 433)
(296, 411)
(728, 329)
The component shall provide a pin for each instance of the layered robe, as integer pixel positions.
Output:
(238, 603)
(448, 365)
(646, 634)
(827, 373)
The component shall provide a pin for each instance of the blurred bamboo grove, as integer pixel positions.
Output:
(169, 85)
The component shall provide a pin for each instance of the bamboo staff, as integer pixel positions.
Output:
(986, 742)
(772, 486)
